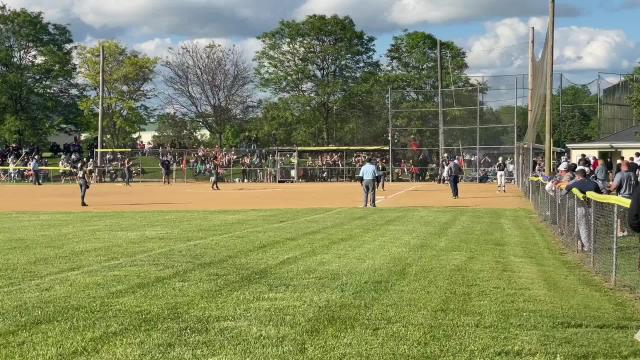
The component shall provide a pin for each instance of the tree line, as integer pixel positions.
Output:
(317, 81)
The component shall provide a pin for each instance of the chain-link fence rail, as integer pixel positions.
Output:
(594, 227)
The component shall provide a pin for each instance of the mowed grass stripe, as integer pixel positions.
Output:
(70, 247)
(356, 283)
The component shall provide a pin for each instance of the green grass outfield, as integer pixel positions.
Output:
(324, 284)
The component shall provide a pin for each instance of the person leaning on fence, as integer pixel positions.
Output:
(501, 167)
(368, 179)
(584, 185)
(624, 181)
(623, 184)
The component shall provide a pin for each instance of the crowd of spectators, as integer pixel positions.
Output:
(18, 161)
(593, 174)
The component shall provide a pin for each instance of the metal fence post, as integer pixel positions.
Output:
(566, 217)
(615, 245)
(593, 233)
(575, 216)
(557, 200)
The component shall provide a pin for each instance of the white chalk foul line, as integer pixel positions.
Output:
(397, 194)
(159, 251)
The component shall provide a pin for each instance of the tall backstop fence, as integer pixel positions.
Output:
(477, 122)
(594, 227)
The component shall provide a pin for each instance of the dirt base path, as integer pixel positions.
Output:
(145, 197)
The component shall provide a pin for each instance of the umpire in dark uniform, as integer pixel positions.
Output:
(368, 175)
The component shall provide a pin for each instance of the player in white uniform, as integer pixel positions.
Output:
(501, 167)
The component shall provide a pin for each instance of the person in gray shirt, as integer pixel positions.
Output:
(624, 182)
(601, 175)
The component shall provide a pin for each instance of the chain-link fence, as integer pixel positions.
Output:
(477, 123)
(255, 165)
(592, 226)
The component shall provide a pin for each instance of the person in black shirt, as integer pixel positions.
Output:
(501, 167)
(127, 172)
(214, 173)
(165, 165)
(382, 171)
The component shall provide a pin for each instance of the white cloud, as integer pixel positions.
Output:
(503, 48)
(243, 18)
(160, 46)
(379, 14)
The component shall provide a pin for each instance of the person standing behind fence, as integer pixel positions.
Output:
(368, 175)
(501, 167)
(35, 170)
(454, 171)
(601, 175)
(83, 181)
(584, 185)
(624, 182)
(165, 165)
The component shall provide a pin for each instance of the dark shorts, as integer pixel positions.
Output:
(166, 172)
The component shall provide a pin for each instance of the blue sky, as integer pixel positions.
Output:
(592, 35)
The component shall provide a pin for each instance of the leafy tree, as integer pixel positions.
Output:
(37, 92)
(578, 120)
(127, 89)
(179, 133)
(412, 71)
(634, 99)
(209, 84)
(314, 63)
(412, 62)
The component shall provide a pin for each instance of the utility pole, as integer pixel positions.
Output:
(100, 105)
(531, 130)
(440, 114)
(548, 151)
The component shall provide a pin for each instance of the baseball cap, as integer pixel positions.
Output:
(563, 167)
